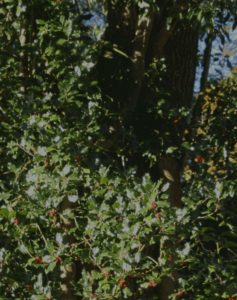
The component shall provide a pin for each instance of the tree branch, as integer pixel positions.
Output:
(206, 61)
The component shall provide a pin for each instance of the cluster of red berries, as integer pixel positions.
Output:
(152, 284)
(122, 283)
(39, 260)
(52, 213)
(180, 293)
(16, 221)
(154, 205)
(199, 159)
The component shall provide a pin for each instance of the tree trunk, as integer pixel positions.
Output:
(181, 57)
(115, 62)
(206, 61)
(144, 39)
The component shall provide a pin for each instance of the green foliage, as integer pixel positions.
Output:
(211, 195)
(67, 193)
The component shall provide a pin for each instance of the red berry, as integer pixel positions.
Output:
(177, 242)
(122, 283)
(16, 221)
(38, 260)
(199, 159)
(180, 293)
(105, 274)
(46, 164)
(154, 205)
(171, 258)
(29, 287)
(52, 213)
(152, 284)
(78, 159)
(176, 121)
(58, 259)
(184, 263)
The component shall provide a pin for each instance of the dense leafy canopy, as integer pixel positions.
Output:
(72, 191)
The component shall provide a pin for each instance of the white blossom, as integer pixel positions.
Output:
(136, 229)
(88, 65)
(59, 238)
(77, 71)
(143, 4)
(137, 207)
(42, 151)
(126, 267)
(125, 227)
(180, 213)
(23, 142)
(42, 124)
(137, 257)
(95, 251)
(31, 192)
(57, 138)
(2, 252)
(185, 251)
(32, 120)
(218, 189)
(72, 198)
(47, 259)
(66, 170)
(31, 176)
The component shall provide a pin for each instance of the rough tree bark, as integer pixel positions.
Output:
(206, 61)
(181, 58)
